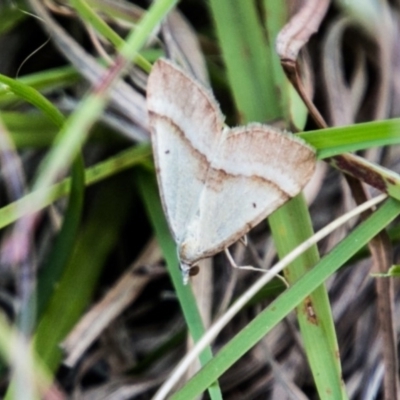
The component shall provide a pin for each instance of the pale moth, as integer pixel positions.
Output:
(216, 183)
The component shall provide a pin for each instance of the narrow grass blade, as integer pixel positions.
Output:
(48, 80)
(149, 192)
(94, 242)
(247, 59)
(285, 303)
(17, 353)
(75, 131)
(296, 207)
(338, 140)
(61, 252)
(10, 16)
(91, 18)
(34, 97)
(289, 228)
(291, 106)
(97, 173)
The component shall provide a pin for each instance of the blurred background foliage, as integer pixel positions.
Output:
(92, 280)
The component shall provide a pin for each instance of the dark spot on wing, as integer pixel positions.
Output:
(254, 205)
(167, 151)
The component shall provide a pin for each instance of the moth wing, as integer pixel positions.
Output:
(186, 124)
(255, 170)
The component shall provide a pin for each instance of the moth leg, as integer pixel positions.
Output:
(250, 267)
(244, 240)
(234, 265)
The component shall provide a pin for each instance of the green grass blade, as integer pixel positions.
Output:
(314, 315)
(29, 130)
(75, 131)
(68, 233)
(283, 305)
(297, 207)
(247, 60)
(96, 239)
(90, 17)
(48, 80)
(10, 16)
(149, 192)
(291, 106)
(25, 363)
(97, 173)
(291, 225)
(33, 97)
(333, 141)
(153, 17)
(61, 251)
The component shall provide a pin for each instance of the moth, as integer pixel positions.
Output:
(216, 183)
